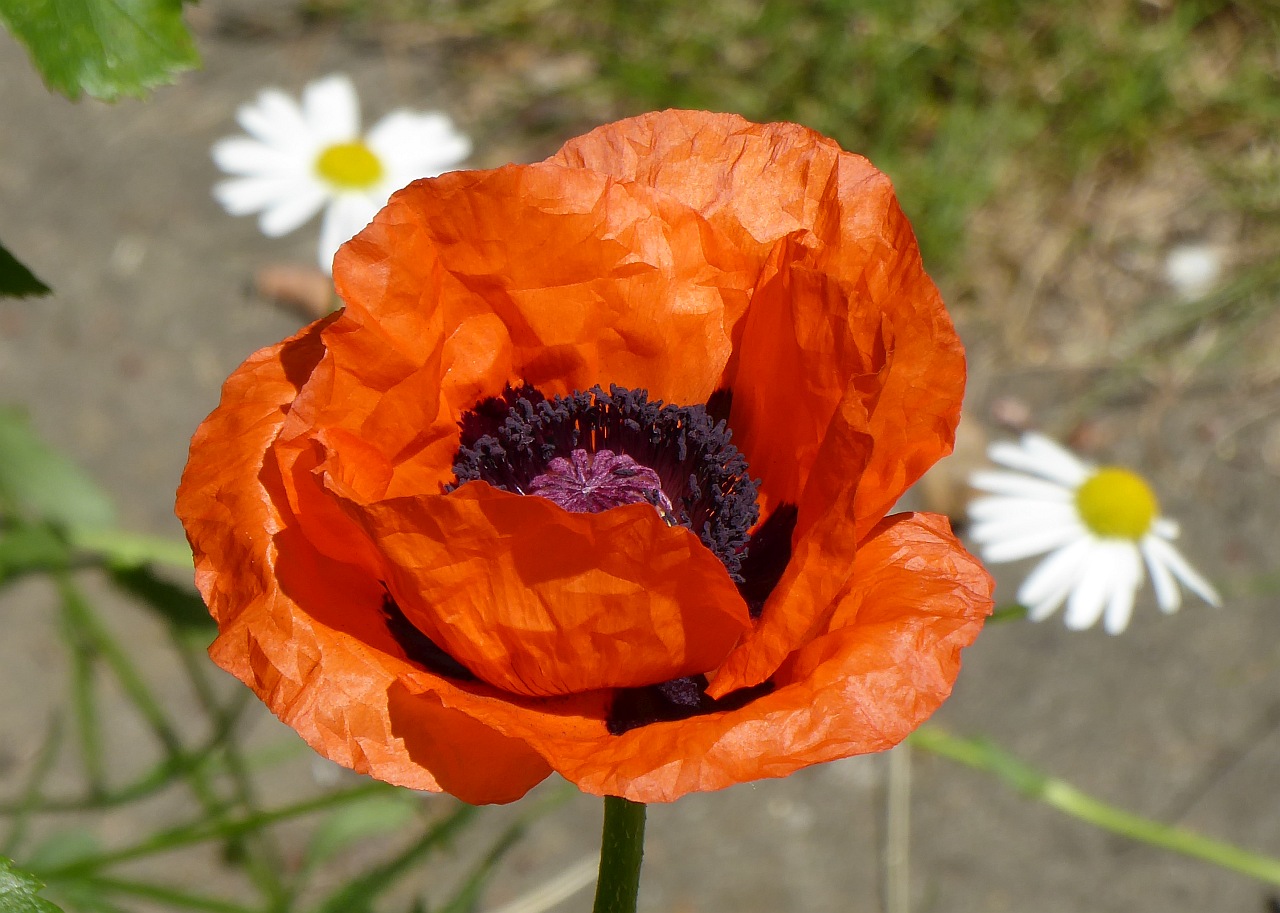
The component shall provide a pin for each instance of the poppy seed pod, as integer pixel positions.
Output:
(591, 475)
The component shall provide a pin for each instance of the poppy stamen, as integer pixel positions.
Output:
(592, 482)
(594, 450)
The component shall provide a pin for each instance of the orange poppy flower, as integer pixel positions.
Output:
(591, 475)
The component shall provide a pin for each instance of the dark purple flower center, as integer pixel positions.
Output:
(594, 450)
(591, 482)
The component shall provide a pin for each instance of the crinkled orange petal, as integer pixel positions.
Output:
(540, 601)
(222, 509)
(594, 281)
(301, 629)
(852, 264)
(887, 660)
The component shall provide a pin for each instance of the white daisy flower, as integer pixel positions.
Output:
(1098, 524)
(298, 159)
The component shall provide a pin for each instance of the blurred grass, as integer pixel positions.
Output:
(949, 97)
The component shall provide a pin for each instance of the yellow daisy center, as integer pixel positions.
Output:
(1116, 504)
(349, 166)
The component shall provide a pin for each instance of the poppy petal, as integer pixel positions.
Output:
(326, 670)
(886, 660)
(849, 245)
(540, 601)
(560, 256)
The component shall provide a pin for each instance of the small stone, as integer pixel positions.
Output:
(1193, 269)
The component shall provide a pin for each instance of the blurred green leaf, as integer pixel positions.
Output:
(126, 550)
(368, 817)
(106, 48)
(18, 890)
(63, 849)
(31, 547)
(38, 483)
(16, 281)
(180, 606)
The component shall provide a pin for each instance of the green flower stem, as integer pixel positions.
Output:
(621, 852)
(982, 755)
(1011, 612)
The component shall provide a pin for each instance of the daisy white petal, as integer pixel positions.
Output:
(1038, 455)
(241, 155)
(1166, 528)
(346, 215)
(1056, 462)
(244, 196)
(1047, 586)
(1001, 507)
(275, 119)
(1089, 597)
(418, 145)
(1019, 486)
(1160, 550)
(332, 109)
(1119, 608)
(1043, 540)
(1012, 526)
(285, 215)
(1168, 593)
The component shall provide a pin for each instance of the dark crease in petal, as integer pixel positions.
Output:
(678, 699)
(418, 647)
(768, 552)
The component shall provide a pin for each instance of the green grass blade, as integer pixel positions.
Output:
(30, 801)
(983, 755)
(358, 896)
(202, 831)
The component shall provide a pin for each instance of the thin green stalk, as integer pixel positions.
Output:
(982, 755)
(84, 703)
(265, 875)
(621, 852)
(468, 896)
(91, 628)
(359, 894)
(203, 830)
(154, 780)
(30, 801)
(171, 897)
(264, 858)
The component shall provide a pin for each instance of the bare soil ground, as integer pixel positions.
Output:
(1179, 718)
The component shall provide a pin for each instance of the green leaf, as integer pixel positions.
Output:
(25, 548)
(106, 48)
(63, 849)
(16, 281)
(178, 605)
(18, 890)
(125, 550)
(360, 820)
(38, 483)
